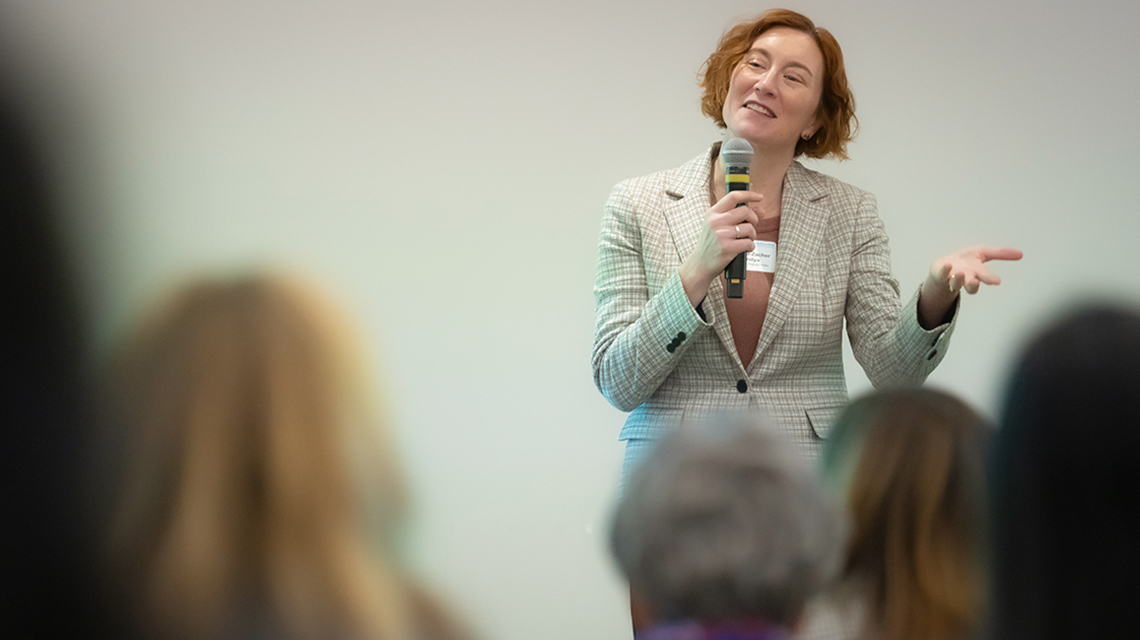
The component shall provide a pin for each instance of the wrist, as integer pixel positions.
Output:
(935, 300)
(938, 292)
(695, 280)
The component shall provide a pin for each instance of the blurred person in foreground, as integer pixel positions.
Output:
(910, 465)
(1066, 483)
(260, 493)
(724, 534)
(48, 583)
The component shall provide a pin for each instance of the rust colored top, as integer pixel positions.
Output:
(746, 315)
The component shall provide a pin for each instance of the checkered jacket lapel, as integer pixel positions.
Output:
(689, 190)
(803, 219)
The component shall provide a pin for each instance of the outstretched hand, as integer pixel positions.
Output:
(964, 269)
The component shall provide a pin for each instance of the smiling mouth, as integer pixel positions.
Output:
(759, 109)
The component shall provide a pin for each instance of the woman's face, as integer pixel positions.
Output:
(773, 95)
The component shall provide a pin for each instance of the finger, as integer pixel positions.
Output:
(734, 199)
(944, 272)
(731, 248)
(738, 216)
(744, 245)
(728, 236)
(988, 277)
(954, 282)
(999, 253)
(971, 285)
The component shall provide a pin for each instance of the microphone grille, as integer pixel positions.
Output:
(736, 152)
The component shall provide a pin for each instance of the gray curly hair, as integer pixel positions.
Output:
(727, 522)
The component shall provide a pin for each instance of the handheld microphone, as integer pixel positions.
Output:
(737, 155)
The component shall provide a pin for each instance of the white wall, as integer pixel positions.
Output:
(443, 166)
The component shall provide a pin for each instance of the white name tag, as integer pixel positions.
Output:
(763, 257)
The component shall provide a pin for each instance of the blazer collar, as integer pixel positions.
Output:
(802, 223)
(803, 219)
(687, 193)
(687, 200)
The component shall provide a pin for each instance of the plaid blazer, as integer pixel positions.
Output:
(655, 356)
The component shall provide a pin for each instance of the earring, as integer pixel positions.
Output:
(806, 136)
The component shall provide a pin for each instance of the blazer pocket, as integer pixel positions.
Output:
(650, 422)
(821, 419)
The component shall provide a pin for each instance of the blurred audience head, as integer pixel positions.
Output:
(910, 464)
(48, 583)
(1066, 482)
(259, 493)
(725, 524)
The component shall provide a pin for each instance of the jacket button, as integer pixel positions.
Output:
(741, 386)
(671, 347)
(680, 337)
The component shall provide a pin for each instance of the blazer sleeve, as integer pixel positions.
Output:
(893, 349)
(642, 327)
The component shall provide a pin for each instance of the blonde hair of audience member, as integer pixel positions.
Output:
(250, 437)
(911, 463)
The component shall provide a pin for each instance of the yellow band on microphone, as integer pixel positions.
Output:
(738, 177)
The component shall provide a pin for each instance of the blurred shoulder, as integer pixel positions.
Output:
(433, 620)
(836, 615)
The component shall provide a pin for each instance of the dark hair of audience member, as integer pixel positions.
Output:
(910, 464)
(1066, 483)
(723, 524)
(47, 578)
(261, 495)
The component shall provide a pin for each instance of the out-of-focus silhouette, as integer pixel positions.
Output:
(260, 495)
(725, 531)
(47, 582)
(910, 466)
(1066, 483)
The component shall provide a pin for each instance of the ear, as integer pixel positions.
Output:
(812, 128)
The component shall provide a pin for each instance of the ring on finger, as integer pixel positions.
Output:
(738, 231)
(951, 283)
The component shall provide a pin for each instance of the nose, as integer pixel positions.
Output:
(766, 83)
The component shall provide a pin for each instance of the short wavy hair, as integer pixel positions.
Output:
(838, 123)
(723, 521)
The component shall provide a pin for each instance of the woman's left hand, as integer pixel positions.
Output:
(963, 269)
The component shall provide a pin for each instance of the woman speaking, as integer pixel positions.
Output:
(670, 346)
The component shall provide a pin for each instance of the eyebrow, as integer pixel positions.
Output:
(768, 55)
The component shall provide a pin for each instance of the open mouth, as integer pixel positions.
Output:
(759, 108)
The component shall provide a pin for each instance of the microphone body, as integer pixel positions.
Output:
(737, 155)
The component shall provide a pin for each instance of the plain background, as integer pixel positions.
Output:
(443, 165)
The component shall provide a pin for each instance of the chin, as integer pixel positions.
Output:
(755, 135)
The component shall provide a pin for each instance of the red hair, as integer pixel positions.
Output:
(836, 104)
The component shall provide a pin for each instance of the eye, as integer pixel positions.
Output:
(794, 78)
